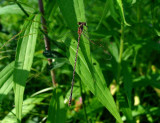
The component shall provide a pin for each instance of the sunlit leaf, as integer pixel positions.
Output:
(6, 80)
(24, 57)
(14, 9)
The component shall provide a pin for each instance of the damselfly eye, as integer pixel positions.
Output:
(94, 64)
(82, 23)
(79, 23)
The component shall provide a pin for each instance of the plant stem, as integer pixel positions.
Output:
(46, 39)
(121, 43)
(120, 60)
(22, 8)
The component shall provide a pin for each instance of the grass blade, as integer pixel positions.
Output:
(6, 73)
(24, 57)
(126, 108)
(28, 106)
(14, 9)
(6, 80)
(122, 12)
(57, 112)
(94, 80)
(109, 7)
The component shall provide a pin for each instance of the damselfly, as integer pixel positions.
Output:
(80, 30)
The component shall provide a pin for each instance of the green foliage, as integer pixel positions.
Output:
(28, 105)
(117, 72)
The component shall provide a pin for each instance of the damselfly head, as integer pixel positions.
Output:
(82, 23)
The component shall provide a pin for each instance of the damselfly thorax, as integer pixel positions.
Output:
(80, 28)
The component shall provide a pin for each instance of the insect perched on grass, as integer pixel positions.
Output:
(52, 54)
(80, 30)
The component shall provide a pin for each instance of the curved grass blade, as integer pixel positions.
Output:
(94, 80)
(57, 112)
(122, 12)
(24, 57)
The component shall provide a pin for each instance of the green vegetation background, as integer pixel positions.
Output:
(126, 49)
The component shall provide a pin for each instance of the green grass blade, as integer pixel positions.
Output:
(122, 12)
(24, 57)
(141, 110)
(73, 12)
(67, 9)
(57, 112)
(6, 73)
(125, 107)
(109, 7)
(114, 51)
(94, 80)
(6, 80)
(98, 70)
(127, 79)
(105, 11)
(49, 8)
(14, 9)
(92, 109)
(144, 81)
(28, 106)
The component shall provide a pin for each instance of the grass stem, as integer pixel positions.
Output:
(20, 6)
(119, 62)
(46, 39)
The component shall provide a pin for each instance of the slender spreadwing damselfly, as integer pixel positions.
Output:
(80, 31)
